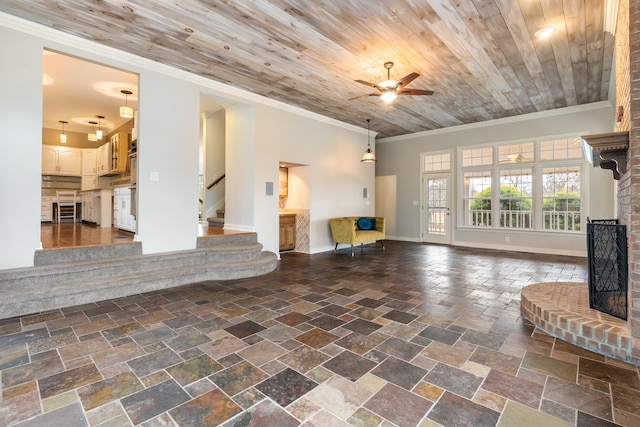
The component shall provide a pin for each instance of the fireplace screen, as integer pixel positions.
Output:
(607, 258)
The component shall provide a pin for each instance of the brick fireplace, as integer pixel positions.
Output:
(629, 185)
(562, 309)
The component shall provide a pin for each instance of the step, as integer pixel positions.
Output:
(90, 271)
(77, 279)
(17, 302)
(227, 239)
(86, 253)
(216, 222)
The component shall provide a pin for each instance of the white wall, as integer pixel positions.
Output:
(168, 146)
(21, 144)
(335, 174)
(400, 156)
(241, 185)
(259, 133)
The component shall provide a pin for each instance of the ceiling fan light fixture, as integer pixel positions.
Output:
(126, 111)
(369, 156)
(388, 95)
(390, 89)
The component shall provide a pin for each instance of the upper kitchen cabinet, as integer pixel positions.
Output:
(119, 153)
(112, 157)
(89, 161)
(103, 159)
(57, 160)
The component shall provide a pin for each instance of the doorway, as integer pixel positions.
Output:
(87, 141)
(436, 208)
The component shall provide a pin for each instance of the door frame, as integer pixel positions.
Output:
(447, 239)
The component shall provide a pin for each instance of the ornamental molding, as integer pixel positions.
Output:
(607, 151)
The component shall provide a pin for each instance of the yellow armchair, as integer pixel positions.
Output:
(345, 230)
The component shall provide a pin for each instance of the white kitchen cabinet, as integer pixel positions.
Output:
(89, 170)
(46, 214)
(57, 160)
(103, 159)
(89, 161)
(122, 217)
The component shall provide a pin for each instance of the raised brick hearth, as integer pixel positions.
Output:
(562, 310)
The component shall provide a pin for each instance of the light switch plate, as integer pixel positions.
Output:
(269, 189)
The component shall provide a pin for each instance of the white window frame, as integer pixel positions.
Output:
(537, 167)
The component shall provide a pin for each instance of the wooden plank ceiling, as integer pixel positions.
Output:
(480, 57)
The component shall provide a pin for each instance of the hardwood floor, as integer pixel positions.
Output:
(71, 235)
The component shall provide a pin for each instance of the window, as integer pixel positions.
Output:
(515, 198)
(477, 198)
(561, 198)
(437, 162)
(477, 157)
(516, 153)
(531, 185)
(561, 149)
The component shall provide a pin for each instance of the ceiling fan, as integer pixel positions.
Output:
(517, 158)
(390, 89)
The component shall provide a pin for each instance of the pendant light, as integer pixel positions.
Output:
(368, 157)
(99, 131)
(126, 111)
(63, 136)
(92, 135)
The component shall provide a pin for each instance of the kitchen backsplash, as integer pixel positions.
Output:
(51, 183)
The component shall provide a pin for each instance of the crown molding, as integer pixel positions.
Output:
(506, 120)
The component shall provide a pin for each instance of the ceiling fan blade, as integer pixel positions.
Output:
(407, 91)
(366, 83)
(364, 96)
(407, 79)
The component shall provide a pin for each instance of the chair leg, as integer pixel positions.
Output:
(352, 250)
(382, 243)
(336, 248)
(361, 248)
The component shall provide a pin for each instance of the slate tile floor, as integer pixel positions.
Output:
(418, 335)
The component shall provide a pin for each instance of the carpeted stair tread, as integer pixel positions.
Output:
(224, 252)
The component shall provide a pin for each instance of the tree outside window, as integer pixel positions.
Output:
(549, 168)
(561, 204)
(515, 209)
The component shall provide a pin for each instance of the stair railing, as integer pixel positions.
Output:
(216, 182)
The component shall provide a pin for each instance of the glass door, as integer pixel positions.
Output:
(436, 210)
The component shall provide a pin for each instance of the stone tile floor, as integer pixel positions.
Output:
(419, 335)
